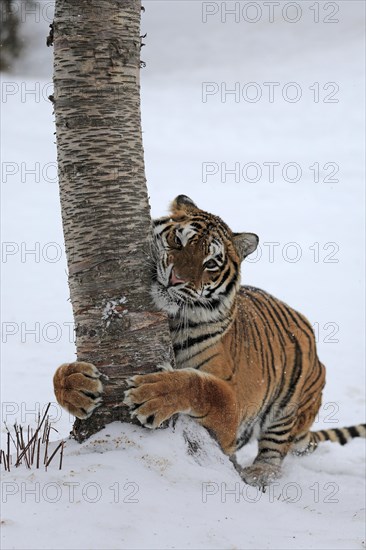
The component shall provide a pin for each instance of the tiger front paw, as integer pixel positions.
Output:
(152, 398)
(78, 388)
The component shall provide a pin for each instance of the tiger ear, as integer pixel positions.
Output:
(183, 205)
(245, 243)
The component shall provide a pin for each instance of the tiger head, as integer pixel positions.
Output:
(197, 261)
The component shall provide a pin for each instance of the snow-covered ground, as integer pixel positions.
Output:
(298, 183)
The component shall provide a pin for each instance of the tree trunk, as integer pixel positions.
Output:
(105, 210)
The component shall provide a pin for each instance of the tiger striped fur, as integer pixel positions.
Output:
(246, 362)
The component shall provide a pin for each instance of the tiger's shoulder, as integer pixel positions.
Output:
(259, 306)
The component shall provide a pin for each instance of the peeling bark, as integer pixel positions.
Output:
(104, 202)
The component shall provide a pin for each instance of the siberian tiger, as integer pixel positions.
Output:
(247, 362)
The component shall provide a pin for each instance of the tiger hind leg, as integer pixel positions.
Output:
(273, 445)
(305, 444)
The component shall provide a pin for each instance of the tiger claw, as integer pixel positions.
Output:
(166, 367)
(146, 421)
(128, 399)
(260, 475)
(131, 382)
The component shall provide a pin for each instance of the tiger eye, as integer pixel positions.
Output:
(177, 240)
(174, 241)
(211, 264)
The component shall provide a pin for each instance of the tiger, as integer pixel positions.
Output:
(246, 364)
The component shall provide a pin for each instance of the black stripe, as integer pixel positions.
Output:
(250, 328)
(225, 275)
(197, 225)
(199, 417)
(311, 383)
(244, 438)
(215, 303)
(177, 324)
(229, 287)
(264, 360)
(295, 376)
(160, 221)
(269, 343)
(271, 304)
(190, 342)
(265, 413)
(273, 440)
(341, 438)
(163, 231)
(325, 434)
(282, 432)
(190, 357)
(353, 431)
(285, 421)
(257, 335)
(293, 314)
(261, 306)
(206, 361)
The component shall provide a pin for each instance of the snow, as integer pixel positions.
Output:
(110, 310)
(131, 488)
(311, 255)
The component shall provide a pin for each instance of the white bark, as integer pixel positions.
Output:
(103, 193)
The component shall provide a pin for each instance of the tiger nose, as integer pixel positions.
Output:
(175, 279)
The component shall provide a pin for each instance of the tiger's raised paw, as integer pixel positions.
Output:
(78, 388)
(260, 474)
(151, 399)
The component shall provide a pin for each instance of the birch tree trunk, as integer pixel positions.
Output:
(104, 202)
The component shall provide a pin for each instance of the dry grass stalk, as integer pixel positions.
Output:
(28, 444)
